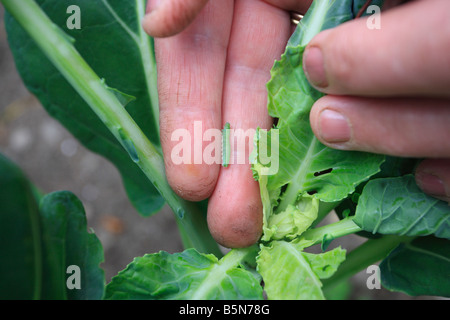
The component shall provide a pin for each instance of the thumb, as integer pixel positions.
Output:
(165, 18)
(403, 56)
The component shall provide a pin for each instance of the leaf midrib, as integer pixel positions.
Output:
(298, 180)
(147, 59)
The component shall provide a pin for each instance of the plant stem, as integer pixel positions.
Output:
(149, 64)
(229, 261)
(236, 256)
(368, 253)
(60, 51)
(334, 230)
(363, 9)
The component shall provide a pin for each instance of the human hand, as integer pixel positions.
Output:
(388, 89)
(381, 75)
(214, 60)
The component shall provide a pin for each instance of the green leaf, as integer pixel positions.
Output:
(39, 242)
(322, 15)
(113, 43)
(325, 264)
(188, 275)
(293, 221)
(289, 273)
(20, 246)
(397, 206)
(288, 89)
(420, 267)
(392, 167)
(309, 166)
(67, 242)
(305, 164)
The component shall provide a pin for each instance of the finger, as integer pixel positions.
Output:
(259, 35)
(299, 6)
(399, 127)
(433, 177)
(190, 79)
(407, 56)
(166, 18)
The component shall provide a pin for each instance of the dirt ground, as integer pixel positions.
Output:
(54, 161)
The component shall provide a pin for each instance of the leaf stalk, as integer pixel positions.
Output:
(57, 46)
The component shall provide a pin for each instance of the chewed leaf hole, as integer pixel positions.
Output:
(321, 173)
(312, 192)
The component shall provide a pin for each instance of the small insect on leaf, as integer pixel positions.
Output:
(226, 145)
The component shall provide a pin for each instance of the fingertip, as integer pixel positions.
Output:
(238, 230)
(330, 123)
(235, 211)
(165, 18)
(192, 182)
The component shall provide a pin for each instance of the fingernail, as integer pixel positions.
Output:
(334, 127)
(314, 68)
(152, 5)
(431, 184)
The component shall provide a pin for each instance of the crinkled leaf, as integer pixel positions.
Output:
(325, 264)
(305, 164)
(289, 273)
(113, 43)
(398, 206)
(309, 166)
(420, 267)
(293, 221)
(289, 90)
(184, 276)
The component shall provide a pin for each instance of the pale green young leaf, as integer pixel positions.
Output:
(289, 273)
(325, 264)
(293, 221)
(305, 164)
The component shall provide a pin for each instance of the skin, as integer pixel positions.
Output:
(214, 59)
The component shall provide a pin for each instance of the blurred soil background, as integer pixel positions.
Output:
(53, 160)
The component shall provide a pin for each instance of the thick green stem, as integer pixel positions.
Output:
(237, 256)
(367, 254)
(334, 230)
(60, 51)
